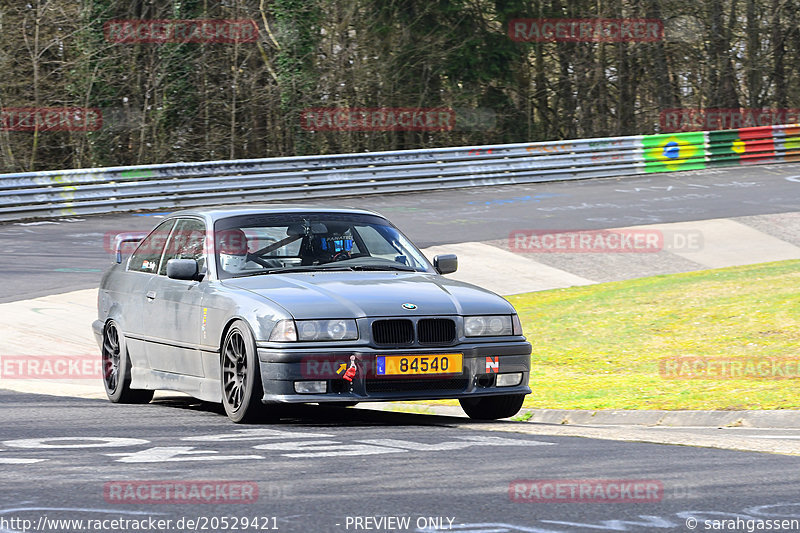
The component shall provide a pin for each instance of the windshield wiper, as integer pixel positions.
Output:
(309, 268)
(330, 267)
(402, 268)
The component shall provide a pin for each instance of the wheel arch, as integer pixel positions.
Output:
(114, 313)
(227, 328)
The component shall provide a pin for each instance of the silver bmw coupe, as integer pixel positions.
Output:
(256, 306)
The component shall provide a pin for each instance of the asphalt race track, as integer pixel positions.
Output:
(322, 469)
(326, 469)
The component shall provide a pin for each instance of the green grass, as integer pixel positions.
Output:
(598, 346)
(524, 417)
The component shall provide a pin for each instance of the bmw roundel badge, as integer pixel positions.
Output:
(409, 306)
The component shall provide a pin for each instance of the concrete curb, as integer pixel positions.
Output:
(777, 419)
(683, 418)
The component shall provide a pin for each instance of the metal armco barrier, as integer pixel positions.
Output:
(180, 185)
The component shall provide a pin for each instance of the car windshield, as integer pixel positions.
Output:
(250, 245)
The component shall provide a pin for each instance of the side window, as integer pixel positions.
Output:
(147, 256)
(186, 242)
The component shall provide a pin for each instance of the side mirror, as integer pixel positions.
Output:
(445, 264)
(185, 269)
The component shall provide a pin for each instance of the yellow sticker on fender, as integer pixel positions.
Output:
(411, 365)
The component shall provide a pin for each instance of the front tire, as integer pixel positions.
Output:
(492, 407)
(117, 369)
(240, 375)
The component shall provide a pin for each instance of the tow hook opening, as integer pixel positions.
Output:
(484, 380)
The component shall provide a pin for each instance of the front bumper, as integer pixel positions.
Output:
(281, 368)
(97, 329)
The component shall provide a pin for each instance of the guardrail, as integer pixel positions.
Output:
(179, 185)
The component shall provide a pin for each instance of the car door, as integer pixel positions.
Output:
(132, 286)
(173, 313)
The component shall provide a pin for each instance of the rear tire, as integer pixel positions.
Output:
(241, 376)
(117, 369)
(492, 407)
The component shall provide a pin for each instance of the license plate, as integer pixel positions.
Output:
(412, 365)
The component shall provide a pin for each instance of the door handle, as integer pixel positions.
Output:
(151, 295)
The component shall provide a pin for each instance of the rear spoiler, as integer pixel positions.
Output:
(123, 238)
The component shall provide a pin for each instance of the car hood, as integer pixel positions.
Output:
(362, 294)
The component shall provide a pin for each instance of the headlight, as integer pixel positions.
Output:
(327, 330)
(314, 330)
(488, 326)
(340, 330)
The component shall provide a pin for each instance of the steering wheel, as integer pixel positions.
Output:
(341, 256)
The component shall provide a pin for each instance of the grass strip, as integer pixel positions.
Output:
(599, 346)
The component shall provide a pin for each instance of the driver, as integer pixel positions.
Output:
(232, 247)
